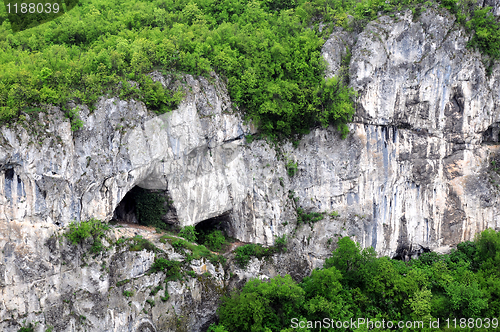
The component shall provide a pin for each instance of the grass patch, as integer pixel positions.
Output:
(138, 243)
(195, 251)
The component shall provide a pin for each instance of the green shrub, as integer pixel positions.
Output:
(244, 253)
(214, 240)
(128, 293)
(308, 218)
(27, 328)
(74, 117)
(216, 328)
(160, 264)
(93, 228)
(150, 208)
(280, 243)
(172, 269)
(291, 168)
(334, 214)
(179, 244)
(189, 233)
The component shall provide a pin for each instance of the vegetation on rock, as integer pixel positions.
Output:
(269, 52)
(355, 283)
(244, 253)
(93, 228)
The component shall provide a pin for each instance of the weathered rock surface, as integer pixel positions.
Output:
(415, 172)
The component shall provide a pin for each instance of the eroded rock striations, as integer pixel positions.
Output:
(415, 173)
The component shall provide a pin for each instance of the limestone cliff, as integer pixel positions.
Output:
(414, 173)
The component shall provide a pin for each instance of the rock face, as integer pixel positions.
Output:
(415, 173)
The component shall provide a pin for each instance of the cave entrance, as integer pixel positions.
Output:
(213, 232)
(406, 252)
(491, 135)
(147, 207)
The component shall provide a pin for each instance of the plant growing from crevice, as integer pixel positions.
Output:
(74, 117)
(78, 232)
(244, 253)
(128, 293)
(28, 328)
(291, 168)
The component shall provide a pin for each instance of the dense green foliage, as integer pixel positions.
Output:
(150, 207)
(308, 218)
(355, 283)
(270, 58)
(93, 228)
(189, 233)
(172, 269)
(269, 52)
(215, 240)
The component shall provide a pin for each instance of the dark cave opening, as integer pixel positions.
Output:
(221, 223)
(213, 232)
(491, 135)
(406, 252)
(125, 211)
(147, 207)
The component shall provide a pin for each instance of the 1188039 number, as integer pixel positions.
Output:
(32, 8)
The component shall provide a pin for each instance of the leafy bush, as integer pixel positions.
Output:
(262, 306)
(245, 252)
(128, 293)
(93, 228)
(307, 218)
(214, 240)
(280, 243)
(74, 117)
(172, 269)
(291, 168)
(216, 328)
(189, 233)
(150, 207)
(487, 28)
